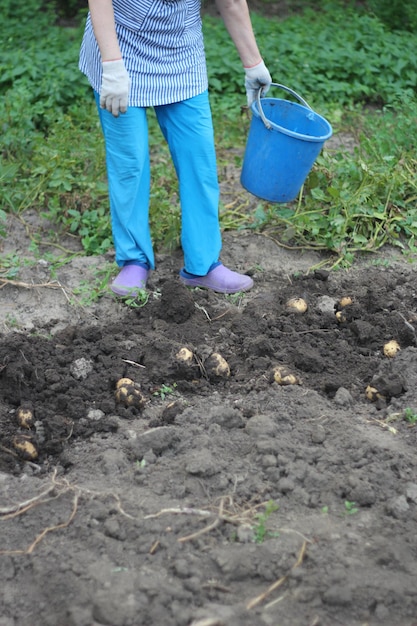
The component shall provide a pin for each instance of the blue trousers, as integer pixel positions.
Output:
(188, 129)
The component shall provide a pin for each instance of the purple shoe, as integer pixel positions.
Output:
(220, 279)
(130, 280)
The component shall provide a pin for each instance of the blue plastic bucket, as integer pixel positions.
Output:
(284, 140)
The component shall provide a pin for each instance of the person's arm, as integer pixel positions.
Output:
(102, 18)
(236, 17)
(114, 90)
(235, 14)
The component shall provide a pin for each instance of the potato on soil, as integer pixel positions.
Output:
(216, 366)
(391, 348)
(184, 356)
(26, 447)
(122, 382)
(25, 417)
(283, 376)
(341, 317)
(373, 394)
(297, 305)
(129, 393)
(345, 301)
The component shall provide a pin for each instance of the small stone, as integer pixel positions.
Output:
(95, 415)
(245, 534)
(398, 507)
(326, 305)
(318, 434)
(411, 492)
(343, 397)
(113, 529)
(81, 368)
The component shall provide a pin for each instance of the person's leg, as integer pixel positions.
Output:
(187, 127)
(128, 172)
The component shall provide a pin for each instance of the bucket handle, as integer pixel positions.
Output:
(265, 120)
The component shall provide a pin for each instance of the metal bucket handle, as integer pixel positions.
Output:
(265, 120)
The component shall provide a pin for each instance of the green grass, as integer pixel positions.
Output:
(410, 416)
(261, 531)
(354, 66)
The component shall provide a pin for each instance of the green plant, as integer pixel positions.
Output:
(354, 58)
(396, 14)
(91, 289)
(260, 529)
(10, 265)
(138, 299)
(350, 507)
(235, 298)
(410, 415)
(53, 161)
(11, 321)
(3, 226)
(165, 390)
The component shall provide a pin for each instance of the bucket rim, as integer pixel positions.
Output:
(289, 132)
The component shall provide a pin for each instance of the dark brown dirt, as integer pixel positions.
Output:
(164, 515)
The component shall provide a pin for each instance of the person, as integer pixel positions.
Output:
(151, 54)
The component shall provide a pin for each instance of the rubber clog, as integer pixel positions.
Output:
(220, 279)
(130, 280)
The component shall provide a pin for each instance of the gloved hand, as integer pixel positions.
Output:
(114, 90)
(256, 77)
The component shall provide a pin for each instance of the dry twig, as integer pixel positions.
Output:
(21, 507)
(235, 517)
(255, 601)
(18, 283)
(61, 487)
(129, 362)
(208, 528)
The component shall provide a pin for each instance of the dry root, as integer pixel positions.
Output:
(57, 489)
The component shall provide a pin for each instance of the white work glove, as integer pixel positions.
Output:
(114, 90)
(256, 77)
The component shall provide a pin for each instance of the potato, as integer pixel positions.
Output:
(391, 348)
(341, 317)
(216, 366)
(297, 305)
(345, 301)
(26, 447)
(129, 394)
(283, 376)
(184, 356)
(25, 416)
(122, 382)
(373, 394)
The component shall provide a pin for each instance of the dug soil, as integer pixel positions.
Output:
(213, 499)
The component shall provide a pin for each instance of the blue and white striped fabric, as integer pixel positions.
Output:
(162, 46)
